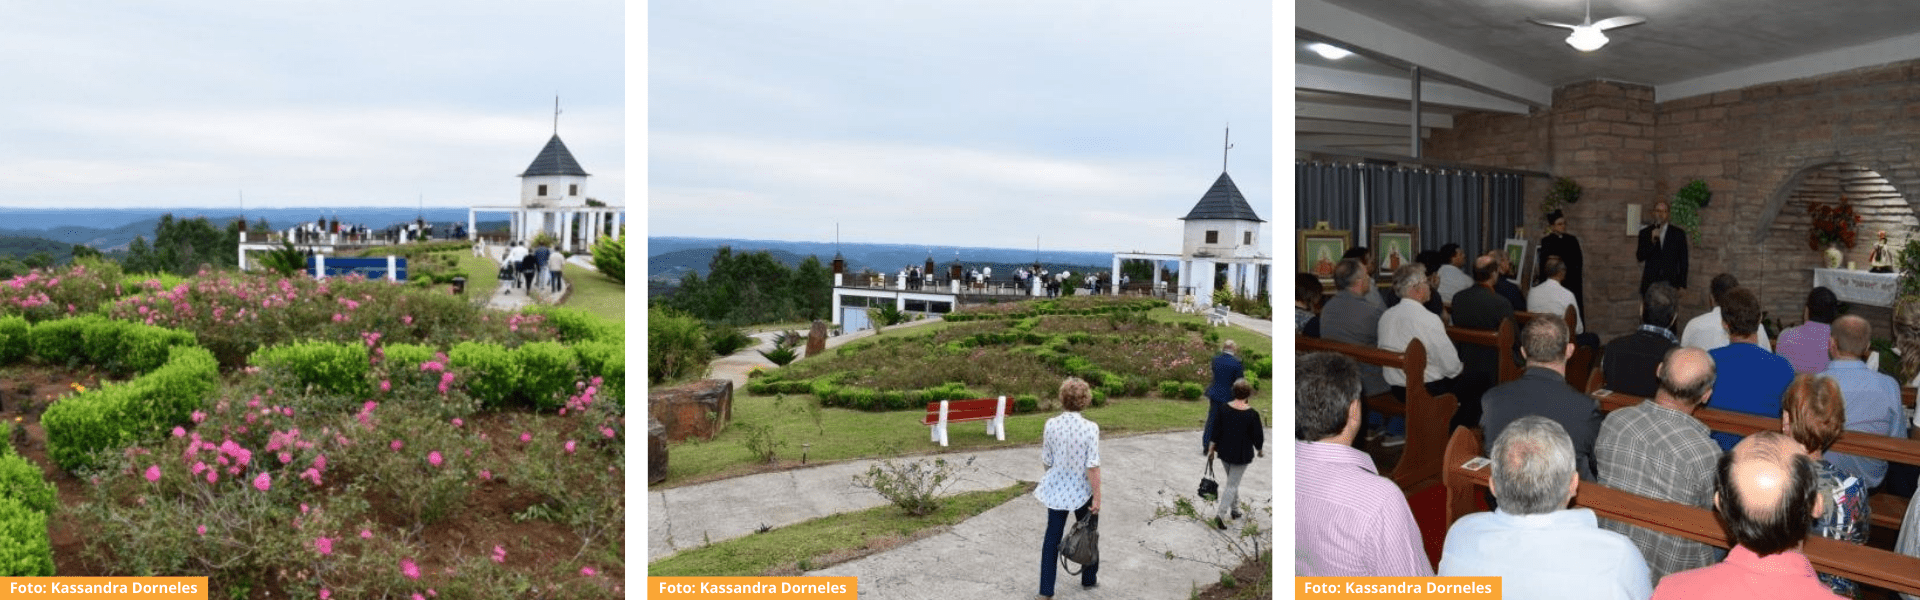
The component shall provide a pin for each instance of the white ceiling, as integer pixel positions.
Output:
(1484, 55)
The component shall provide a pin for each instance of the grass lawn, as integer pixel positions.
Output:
(596, 294)
(827, 540)
(482, 274)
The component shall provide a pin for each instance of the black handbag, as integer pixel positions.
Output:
(1082, 545)
(1209, 489)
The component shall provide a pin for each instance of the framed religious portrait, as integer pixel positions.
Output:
(1517, 253)
(1320, 250)
(1394, 245)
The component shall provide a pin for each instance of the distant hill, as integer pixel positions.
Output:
(113, 229)
(672, 257)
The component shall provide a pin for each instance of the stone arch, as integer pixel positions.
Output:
(1880, 201)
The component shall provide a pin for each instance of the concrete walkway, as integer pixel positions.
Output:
(508, 298)
(997, 553)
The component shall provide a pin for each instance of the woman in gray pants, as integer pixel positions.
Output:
(1237, 439)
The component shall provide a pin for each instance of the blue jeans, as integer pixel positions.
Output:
(1050, 547)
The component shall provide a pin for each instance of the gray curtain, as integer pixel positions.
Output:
(1476, 210)
(1327, 192)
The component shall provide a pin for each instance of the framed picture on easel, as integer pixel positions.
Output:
(1517, 253)
(1394, 245)
(1320, 250)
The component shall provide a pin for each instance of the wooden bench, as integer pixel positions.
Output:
(1871, 566)
(992, 410)
(1501, 340)
(1888, 509)
(1427, 416)
(1218, 316)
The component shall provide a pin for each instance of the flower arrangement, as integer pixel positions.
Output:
(1832, 224)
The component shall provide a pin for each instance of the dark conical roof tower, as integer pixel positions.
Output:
(555, 160)
(1223, 201)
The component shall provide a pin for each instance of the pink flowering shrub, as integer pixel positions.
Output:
(59, 292)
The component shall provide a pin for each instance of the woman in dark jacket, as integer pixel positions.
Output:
(1237, 438)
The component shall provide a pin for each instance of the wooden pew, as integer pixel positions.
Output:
(1867, 565)
(1427, 416)
(1888, 509)
(1500, 340)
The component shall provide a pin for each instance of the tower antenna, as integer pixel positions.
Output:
(1227, 142)
(556, 114)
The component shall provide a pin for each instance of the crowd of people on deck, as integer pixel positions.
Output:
(1544, 438)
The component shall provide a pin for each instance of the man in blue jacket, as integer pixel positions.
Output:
(1226, 370)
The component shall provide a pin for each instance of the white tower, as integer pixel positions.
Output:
(554, 181)
(1221, 229)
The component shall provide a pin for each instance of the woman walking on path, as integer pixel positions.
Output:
(1238, 439)
(1070, 449)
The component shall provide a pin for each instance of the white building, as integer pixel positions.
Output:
(1220, 247)
(553, 200)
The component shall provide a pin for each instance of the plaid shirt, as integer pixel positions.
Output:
(1657, 452)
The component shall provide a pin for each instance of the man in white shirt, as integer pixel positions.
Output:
(1534, 543)
(1552, 298)
(1707, 331)
(1453, 278)
(1409, 320)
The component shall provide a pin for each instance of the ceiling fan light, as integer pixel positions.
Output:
(1587, 39)
(1329, 51)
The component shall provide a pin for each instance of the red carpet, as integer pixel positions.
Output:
(1430, 512)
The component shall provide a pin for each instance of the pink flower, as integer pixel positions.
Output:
(153, 473)
(303, 508)
(486, 474)
(325, 594)
(179, 431)
(587, 571)
(386, 386)
(213, 475)
(412, 571)
(366, 534)
(202, 530)
(433, 458)
(312, 475)
(263, 482)
(396, 445)
(457, 422)
(199, 467)
(324, 545)
(607, 431)
(408, 319)
(569, 446)
(525, 437)
(286, 457)
(417, 596)
(199, 416)
(499, 555)
(320, 462)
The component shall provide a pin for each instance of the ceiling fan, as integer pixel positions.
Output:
(1586, 36)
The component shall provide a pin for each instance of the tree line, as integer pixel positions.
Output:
(747, 288)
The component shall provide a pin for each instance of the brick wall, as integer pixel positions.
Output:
(1752, 146)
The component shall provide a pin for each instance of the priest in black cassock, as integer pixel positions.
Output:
(1562, 244)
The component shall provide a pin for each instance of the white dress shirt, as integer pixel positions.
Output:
(1452, 281)
(1407, 321)
(1706, 332)
(1561, 554)
(1551, 298)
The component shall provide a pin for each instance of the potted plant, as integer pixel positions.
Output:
(1833, 226)
(1686, 208)
(1565, 191)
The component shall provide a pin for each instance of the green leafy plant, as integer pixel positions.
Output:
(25, 548)
(1686, 207)
(610, 258)
(914, 486)
(760, 440)
(676, 345)
(1565, 191)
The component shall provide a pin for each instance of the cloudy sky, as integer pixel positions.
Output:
(1094, 125)
(339, 103)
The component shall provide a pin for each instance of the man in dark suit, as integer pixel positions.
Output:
(1663, 250)
(1632, 362)
(1226, 370)
(1478, 307)
(1543, 391)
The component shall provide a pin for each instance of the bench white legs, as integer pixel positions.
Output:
(996, 426)
(940, 427)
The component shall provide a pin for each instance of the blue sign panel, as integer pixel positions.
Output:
(370, 268)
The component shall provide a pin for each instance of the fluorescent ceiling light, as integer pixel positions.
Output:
(1329, 51)
(1587, 38)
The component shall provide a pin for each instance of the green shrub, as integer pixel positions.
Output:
(25, 549)
(145, 347)
(676, 346)
(726, 340)
(1026, 403)
(1099, 397)
(491, 373)
(406, 357)
(610, 258)
(118, 415)
(22, 481)
(781, 356)
(608, 361)
(1191, 390)
(332, 367)
(575, 325)
(15, 340)
(61, 342)
(1169, 389)
(546, 375)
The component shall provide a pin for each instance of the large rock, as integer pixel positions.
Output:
(817, 338)
(698, 409)
(656, 451)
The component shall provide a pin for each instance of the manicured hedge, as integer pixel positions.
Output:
(491, 374)
(117, 415)
(22, 481)
(25, 548)
(16, 341)
(547, 374)
(334, 368)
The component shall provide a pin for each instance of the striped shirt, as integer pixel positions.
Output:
(1348, 521)
(1660, 453)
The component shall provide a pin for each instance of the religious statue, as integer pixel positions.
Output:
(1881, 260)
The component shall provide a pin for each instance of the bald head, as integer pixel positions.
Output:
(1852, 337)
(1687, 375)
(1764, 491)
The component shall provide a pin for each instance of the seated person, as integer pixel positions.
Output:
(1631, 362)
(1755, 377)
(1536, 545)
(1766, 495)
(1307, 293)
(1813, 413)
(1807, 344)
(1348, 521)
